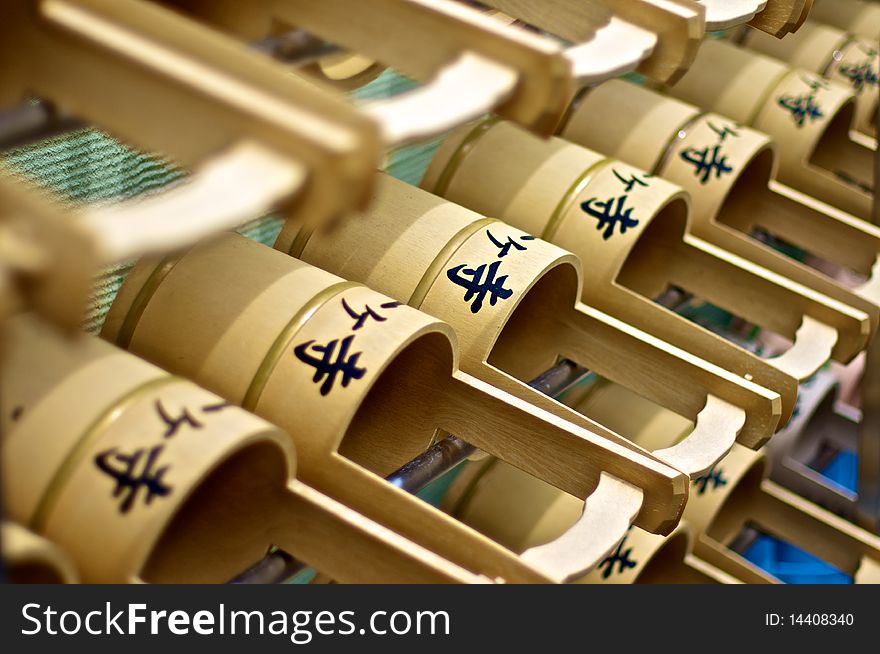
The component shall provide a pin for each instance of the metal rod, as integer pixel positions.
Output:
(744, 539)
(33, 121)
(449, 452)
(674, 298)
(297, 47)
(413, 476)
(275, 566)
(431, 464)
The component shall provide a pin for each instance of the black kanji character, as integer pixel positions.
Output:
(173, 424)
(326, 367)
(801, 108)
(610, 214)
(706, 162)
(217, 406)
(361, 318)
(862, 74)
(504, 248)
(816, 83)
(131, 476)
(715, 477)
(480, 282)
(723, 132)
(620, 557)
(630, 183)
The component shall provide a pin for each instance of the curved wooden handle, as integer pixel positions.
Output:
(207, 203)
(464, 90)
(773, 302)
(724, 14)
(671, 377)
(813, 344)
(714, 434)
(56, 257)
(419, 38)
(617, 48)
(561, 453)
(167, 84)
(608, 513)
(870, 290)
(605, 45)
(679, 27)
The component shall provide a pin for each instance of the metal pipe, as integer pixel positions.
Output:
(275, 567)
(33, 121)
(413, 476)
(449, 452)
(296, 47)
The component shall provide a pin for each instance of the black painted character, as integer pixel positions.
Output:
(724, 131)
(133, 473)
(715, 477)
(479, 282)
(862, 74)
(217, 406)
(620, 557)
(327, 368)
(706, 162)
(630, 184)
(361, 318)
(611, 214)
(173, 424)
(804, 107)
(504, 248)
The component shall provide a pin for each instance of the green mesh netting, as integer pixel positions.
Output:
(90, 166)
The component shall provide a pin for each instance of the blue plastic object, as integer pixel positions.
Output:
(792, 565)
(843, 470)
